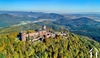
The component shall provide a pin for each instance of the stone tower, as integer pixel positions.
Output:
(43, 27)
(23, 36)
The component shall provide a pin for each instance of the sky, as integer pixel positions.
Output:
(57, 6)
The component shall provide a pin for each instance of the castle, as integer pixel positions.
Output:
(38, 35)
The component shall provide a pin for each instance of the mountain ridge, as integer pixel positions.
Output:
(80, 25)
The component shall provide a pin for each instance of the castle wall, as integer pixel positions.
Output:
(23, 37)
(33, 34)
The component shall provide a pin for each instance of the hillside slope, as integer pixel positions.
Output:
(59, 47)
(82, 26)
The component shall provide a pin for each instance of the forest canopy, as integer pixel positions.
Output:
(73, 47)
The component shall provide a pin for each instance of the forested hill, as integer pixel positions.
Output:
(73, 47)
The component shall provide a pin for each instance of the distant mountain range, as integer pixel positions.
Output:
(81, 24)
(51, 16)
(9, 18)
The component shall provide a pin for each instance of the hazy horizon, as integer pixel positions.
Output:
(55, 6)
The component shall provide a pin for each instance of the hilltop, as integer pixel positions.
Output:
(58, 47)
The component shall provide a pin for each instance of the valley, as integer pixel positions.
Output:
(85, 24)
